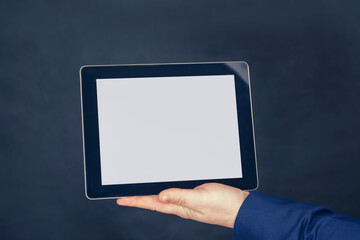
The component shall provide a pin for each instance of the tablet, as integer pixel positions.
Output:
(150, 127)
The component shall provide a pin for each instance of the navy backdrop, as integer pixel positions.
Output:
(304, 66)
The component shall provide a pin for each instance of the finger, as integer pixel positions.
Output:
(188, 198)
(147, 202)
(153, 203)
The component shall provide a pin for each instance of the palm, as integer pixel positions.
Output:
(209, 203)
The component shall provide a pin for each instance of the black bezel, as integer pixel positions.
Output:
(88, 76)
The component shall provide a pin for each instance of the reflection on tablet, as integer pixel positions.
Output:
(163, 129)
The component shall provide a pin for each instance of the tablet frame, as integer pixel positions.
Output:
(90, 126)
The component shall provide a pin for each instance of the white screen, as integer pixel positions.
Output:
(162, 129)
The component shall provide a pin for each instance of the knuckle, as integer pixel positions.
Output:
(180, 200)
(186, 213)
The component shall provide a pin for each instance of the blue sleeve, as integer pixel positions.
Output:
(265, 217)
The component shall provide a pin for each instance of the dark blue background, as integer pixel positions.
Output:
(304, 59)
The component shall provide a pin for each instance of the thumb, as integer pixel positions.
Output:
(182, 197)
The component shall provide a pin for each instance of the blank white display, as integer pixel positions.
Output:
(162, 129)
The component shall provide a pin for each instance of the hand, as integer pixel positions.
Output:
(211, 203)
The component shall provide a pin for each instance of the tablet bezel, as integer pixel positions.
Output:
(90, 127)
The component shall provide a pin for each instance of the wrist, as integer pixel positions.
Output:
(240, 200)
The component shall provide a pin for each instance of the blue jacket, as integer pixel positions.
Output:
(265, 217)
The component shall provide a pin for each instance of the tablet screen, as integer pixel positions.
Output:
(164, 129)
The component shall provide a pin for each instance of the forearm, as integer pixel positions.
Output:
(265, 217)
